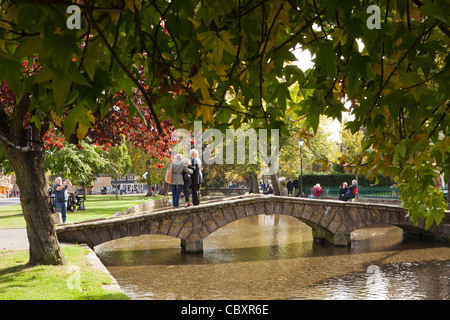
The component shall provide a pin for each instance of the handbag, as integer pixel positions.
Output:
(169, 175)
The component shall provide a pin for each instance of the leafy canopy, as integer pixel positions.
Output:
(228, 62)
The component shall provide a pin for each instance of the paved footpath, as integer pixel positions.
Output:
(13, 239)
(9, 201)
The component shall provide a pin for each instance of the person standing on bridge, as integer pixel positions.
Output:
(61, 196)
(187, 181)
(197, 177)
(290, 186)
(296, 185)
(178, 168)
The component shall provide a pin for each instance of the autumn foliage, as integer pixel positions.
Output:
(140, 131)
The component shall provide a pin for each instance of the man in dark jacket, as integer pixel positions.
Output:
(61, 196)
(342, 191)
(296, 185)
(197, 177)
(290, 186)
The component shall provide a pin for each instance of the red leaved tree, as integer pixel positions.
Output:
(139, 130)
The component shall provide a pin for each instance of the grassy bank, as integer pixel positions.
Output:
(76, 281)
(97, 206)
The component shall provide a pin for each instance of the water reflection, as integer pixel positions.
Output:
(274, 257)
(399, 281)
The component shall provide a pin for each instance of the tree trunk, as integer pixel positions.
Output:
(117, 187)
(149, 188)
(165, 189)
(43, 242)
(275, 185)
(253, 184)
(84, 191)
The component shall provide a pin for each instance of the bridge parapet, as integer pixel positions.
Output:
(331, 221)
(224, 191)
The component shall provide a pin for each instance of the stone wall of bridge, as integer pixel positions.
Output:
(331, 221)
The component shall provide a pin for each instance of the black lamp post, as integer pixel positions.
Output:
(300, 143)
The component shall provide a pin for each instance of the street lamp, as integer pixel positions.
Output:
(300, 143)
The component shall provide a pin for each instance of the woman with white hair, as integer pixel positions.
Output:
(197, 177)
(178, 168)
(351, 191)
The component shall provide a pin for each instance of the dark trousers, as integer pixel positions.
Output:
(62, 208)
(176, 190)
(186, 187)
(195, 194)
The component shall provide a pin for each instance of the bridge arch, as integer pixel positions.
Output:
(331, 221)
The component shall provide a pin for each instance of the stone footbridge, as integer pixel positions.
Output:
(331, 221)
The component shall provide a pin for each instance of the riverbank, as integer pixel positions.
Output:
(83, 278)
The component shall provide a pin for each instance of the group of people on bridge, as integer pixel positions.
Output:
(345, 192)
(184, 174)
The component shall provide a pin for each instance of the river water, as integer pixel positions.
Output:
(275, 257)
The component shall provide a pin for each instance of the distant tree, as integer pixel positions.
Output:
(81, 164)
(120, 163)
(142, 163)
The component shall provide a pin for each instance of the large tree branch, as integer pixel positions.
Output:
(124, 69)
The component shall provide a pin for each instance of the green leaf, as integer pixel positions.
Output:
(133, 110)
(400, 149)
(11, 71)
(325, 59)
(29, 47)
(79, 114)
(61, 88)
(94, 54)
(401, 7)
(366, 144)
(127, 84)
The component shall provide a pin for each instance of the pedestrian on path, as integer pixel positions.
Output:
(61, 196)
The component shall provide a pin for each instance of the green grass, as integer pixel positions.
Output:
(18, 281)
(11, 217)
(97, 206)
